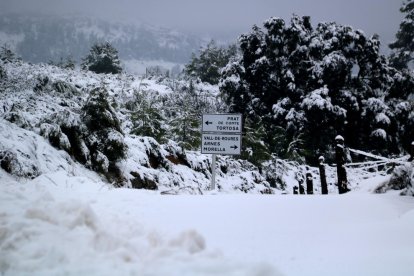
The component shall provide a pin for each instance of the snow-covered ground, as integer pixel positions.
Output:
(65, 223)
(59, 218)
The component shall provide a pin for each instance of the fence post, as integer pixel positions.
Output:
(309, 183)
(340, 164)
(322, 173)
(301, 188)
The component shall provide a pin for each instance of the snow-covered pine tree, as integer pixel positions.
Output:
(102, 58)
(104, 136)
(6, 54)
(254, 148)
(184, 118)
(403, 46)
(311, 82)
(208, 64)
(146, 117)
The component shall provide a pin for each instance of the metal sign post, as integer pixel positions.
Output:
(213, 172)
(221, 134)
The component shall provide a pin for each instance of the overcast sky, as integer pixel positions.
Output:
(226, 18)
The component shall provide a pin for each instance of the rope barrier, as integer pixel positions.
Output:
(400, 160)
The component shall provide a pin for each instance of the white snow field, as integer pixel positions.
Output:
(64, 223)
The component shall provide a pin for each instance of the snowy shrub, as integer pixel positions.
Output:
(55, 136)
(103, 135)
(42, 84)
(100, 162)
(113, 146)
(17, 118)
(3, 74)
(143, 182)
(7, 55)
(102, 58)
(65, 88)
(279, 172)
(402, 178)
(18, 164)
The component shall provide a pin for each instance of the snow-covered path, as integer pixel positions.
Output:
(63, 225)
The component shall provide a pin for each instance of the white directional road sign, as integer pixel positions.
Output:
(222, 123)
(220, 143)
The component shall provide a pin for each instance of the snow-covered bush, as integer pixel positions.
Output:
(3, 74)
(43, 84)
(402, 178)
(64, 88)
(103, 131)
(102, 58)
(16, 117)
(55, 136)
(18, 164)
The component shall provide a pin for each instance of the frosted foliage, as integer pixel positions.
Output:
(382, 119)
(375, 105)
(402, 107)
(279, 109)
(379, 133)
(67, 119)
(101, 161)
(319, 100)
(115, 136)
(334, 60)
(294, 115)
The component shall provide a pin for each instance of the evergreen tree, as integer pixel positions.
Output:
(309, 84)
(210, 61)
(254, 148)
(104, 136)
(7, 55)
(102, 58)
(185, 116)
(403, 46)
(147, 118)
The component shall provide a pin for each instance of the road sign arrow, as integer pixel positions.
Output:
(234, 147)
(208, 123)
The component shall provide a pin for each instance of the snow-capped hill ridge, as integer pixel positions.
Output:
(45, 38)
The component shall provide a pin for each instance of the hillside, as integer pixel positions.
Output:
(49, 38)
(44, 103)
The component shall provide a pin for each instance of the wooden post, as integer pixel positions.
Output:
(309, 183)
(301, 188)
(340, 164)
(322, 173)
(295, 190)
